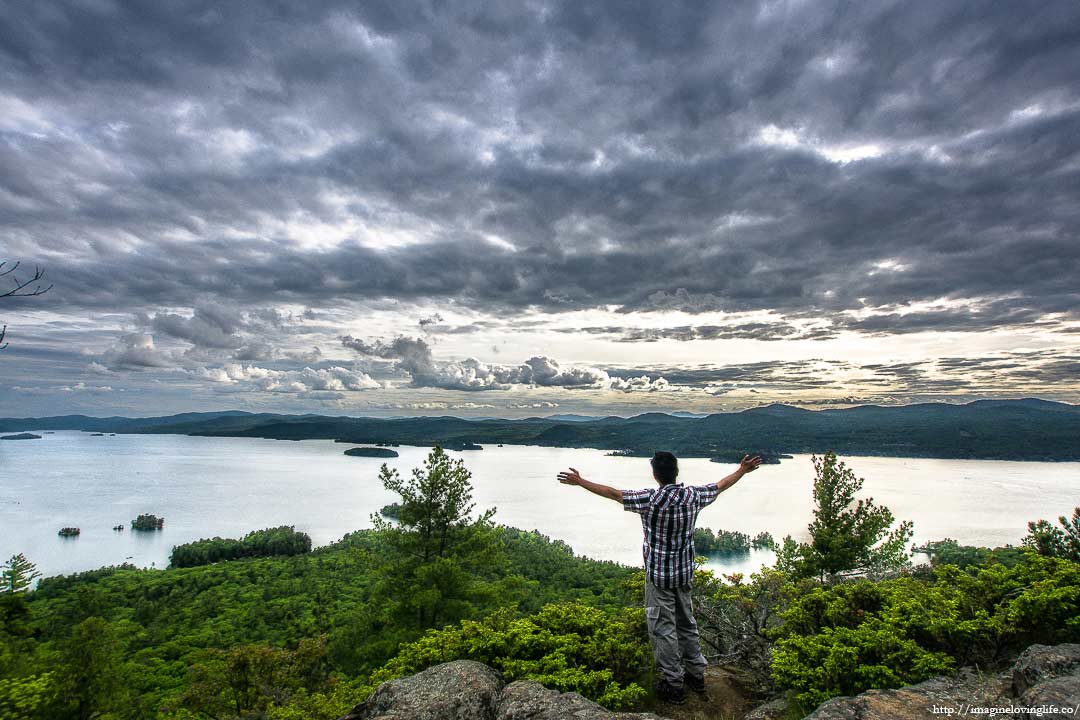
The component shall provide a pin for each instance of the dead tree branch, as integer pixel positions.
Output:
(22, 288)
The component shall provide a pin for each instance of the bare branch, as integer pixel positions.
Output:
(21, 288)
(30, 288)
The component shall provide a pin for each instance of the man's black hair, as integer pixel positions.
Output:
(665, 467)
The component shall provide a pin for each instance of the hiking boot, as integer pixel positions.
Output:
(666, 692)
(695, 683)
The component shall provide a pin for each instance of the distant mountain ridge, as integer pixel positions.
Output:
(1023, 429)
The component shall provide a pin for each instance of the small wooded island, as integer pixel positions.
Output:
(148, 522)
(460, 445)
(21, 436)
(69, 532)
(371, 452)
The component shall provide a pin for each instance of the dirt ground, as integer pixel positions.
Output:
(724, 699)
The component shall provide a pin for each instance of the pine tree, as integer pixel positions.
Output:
(847, 536)
(439, 557)
(17, 574)
(1063, 542)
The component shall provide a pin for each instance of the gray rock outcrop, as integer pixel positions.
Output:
(459, 690)
(1042, 675)
(1040, 664)
(467, 690)
(776, 709)
(529, 700)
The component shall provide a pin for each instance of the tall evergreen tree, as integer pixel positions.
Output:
(17, 574)
(847, 536)
(440, 561)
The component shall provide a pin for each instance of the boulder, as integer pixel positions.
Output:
(1044, 662)
(776, 709)
(467, 690)
(906, 703)
(459, 690)
(529, 700)
(1062, 691)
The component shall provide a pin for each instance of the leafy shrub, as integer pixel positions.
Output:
(26, 697)
(568, 647)
(853, 636)
(735, 619)
(847, 661)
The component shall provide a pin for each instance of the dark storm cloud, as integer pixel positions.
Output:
(649, 156)
(793, 373)
(1021, 372)
(1001, 374)
(684, 333)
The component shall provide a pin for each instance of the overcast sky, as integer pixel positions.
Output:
(532, 208)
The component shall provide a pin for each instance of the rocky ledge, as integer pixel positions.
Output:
(467, 690)
(1043, 675)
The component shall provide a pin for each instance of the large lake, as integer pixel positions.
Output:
(228, 486)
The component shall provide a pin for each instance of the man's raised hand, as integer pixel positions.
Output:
(750, 464)
(570, 477)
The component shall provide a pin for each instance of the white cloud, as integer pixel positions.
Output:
(259, 379)
(136, 351)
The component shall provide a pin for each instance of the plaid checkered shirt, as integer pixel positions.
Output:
(668, 514)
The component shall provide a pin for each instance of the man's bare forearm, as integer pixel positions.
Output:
(573, 477)
(730, 480)
(602, 490)
(748, 465)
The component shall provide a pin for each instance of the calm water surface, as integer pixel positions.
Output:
(229, 486)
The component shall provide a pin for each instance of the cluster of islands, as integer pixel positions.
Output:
(144, 523)
(383, 449)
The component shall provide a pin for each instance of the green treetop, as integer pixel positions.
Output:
(17, 574)
(1062, 542)
(439, 557)
(847, 536)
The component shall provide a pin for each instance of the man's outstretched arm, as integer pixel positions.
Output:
(573, 477)
(748, 465)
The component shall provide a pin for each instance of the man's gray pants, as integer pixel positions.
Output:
(674, 633)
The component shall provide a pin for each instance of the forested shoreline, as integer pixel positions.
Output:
(1023, 429)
